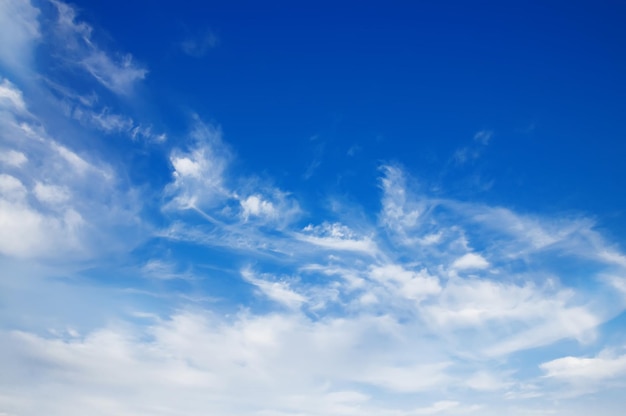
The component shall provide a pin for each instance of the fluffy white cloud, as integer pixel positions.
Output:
(203, 181)
(39, 234)
(47, 198)
(470, 261)
(13, 158)
(255, 205)
(273, 363)
(199, 172)
(582, 370)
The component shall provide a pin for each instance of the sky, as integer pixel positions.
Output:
(312, 208)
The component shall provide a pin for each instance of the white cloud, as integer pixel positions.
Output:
(266, 205)
(526, 233)
(203, 180)
(278, 291)
(39, 234)
(51, 194)
(78, 165)
(400, 212)
(199, 172)
(51, 205)
(511, 317)
(11, 97)
(83, 107)
(336, 236)
(105, 120)
(255, 205)
(581, 370)
(406, 283)
(111, 123)
(185, 166)
(117, 76)
(12, 189)
(618, 283)
(470, 261)
(194, 363)
(164, 270)
(13, 158)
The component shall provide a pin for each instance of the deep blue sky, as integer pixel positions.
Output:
(406, 81)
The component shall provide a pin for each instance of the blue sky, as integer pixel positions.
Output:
(374, 208)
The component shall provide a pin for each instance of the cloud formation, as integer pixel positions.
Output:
(45, 198)
(208, 289)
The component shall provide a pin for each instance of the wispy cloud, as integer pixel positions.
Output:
(112, 123)
(472, 152)
(276, 290)
(483, 136)
(337, 237)
(165, 270)
(199, 45)
(119, 74)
